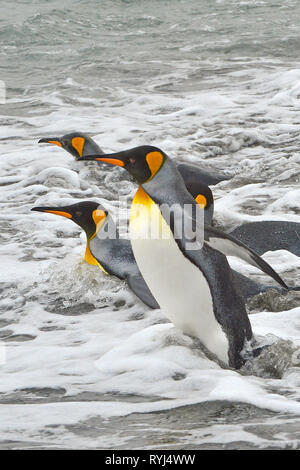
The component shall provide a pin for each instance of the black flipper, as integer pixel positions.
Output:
(141, 290)
(230, 246)
(194, 174)
(270, 235)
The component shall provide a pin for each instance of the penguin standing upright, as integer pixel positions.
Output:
(194, 287)
(104, 248)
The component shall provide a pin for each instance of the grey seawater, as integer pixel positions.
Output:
(128, 72)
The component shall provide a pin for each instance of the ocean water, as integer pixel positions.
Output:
(83, 363)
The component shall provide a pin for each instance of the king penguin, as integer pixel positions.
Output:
(194, 287)
(261, 236)
(226, 243)
(80, 144)
(77, 144)
(196, 179)
(104, 248)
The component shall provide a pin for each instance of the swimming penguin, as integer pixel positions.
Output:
(104, 248)
(194, 287)
(80, 144)
(196, 179)
(76, 143)
(270, 235)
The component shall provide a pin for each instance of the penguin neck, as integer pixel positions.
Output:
(165, 186)
(161, 189)
(100, 237)
(88, 257)
(91, 147)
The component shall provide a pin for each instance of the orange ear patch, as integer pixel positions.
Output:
(155, 161)
(98, 216)
(78, 144)
(201, 200)
(62, 213)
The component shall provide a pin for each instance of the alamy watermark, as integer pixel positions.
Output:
(156, 222)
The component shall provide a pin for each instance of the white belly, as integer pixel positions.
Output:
(178, 285)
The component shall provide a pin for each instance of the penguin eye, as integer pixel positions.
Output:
(132, 160)
(78, 213)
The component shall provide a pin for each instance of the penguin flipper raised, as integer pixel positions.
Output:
(230, 246)
(141, 290)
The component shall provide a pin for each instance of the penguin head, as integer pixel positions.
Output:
(89, 215)
(203, 196)
(76, 143)
(143, 162)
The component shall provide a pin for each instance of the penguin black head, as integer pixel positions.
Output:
(201, 193)
(144, 162)
(89, 215)
(204, 197)
(76, 143)
(141, 162)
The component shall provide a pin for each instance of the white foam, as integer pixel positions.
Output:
(89, 333)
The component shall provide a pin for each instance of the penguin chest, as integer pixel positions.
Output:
(177, 284)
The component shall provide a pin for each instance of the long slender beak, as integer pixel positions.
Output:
(50, 140)
(53, 210)
(111, 158)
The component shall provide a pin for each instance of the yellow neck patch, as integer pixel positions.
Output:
(78, 144)
(146, 221)
(99, 217)
(141, 207)
(155, 161)
(90, 259)
(201, 200)
(141, 197)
